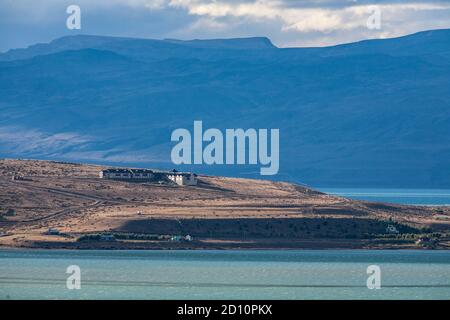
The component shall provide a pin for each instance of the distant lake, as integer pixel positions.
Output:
(401, 196)
(253, 274)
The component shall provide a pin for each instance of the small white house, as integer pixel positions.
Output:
(183, 178)
(391, 229)
(175, 238)
(107, 237)
(53, 231)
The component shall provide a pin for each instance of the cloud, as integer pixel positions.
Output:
(23, 140)
(318, 22)
(303, 19)
(286, 22)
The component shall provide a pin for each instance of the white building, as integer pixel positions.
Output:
(142, 174)
(107, 237)
(53, 231)
(180, 178)
(183, 178)
(391, 229)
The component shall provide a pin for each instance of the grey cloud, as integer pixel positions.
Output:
(286, 22)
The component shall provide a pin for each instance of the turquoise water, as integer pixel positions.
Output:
(254, 274)
(402, 196)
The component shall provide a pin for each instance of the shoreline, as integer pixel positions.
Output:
(220, 249)
(310, 244)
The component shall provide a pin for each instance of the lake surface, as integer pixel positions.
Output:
(401, 196)
(253, 274)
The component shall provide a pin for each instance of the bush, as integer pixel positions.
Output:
(121, 236)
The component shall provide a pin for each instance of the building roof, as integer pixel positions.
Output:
(141, 171)
(182, 173)
(120, 170)
(116, 171)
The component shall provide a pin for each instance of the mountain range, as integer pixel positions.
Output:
(375, 113)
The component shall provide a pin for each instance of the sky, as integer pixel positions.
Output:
(288, 23)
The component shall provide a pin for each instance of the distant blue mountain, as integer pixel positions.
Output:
(373, 113)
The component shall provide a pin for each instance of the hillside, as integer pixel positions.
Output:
(219, 213)
(368, 114)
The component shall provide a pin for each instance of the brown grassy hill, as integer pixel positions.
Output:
(219, 213)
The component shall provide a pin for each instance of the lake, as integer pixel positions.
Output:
(401, 196)
(252, 274)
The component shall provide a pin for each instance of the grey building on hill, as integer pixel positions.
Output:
(180, 178)
(126, 174)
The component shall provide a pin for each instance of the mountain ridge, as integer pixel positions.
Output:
(86, 41)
